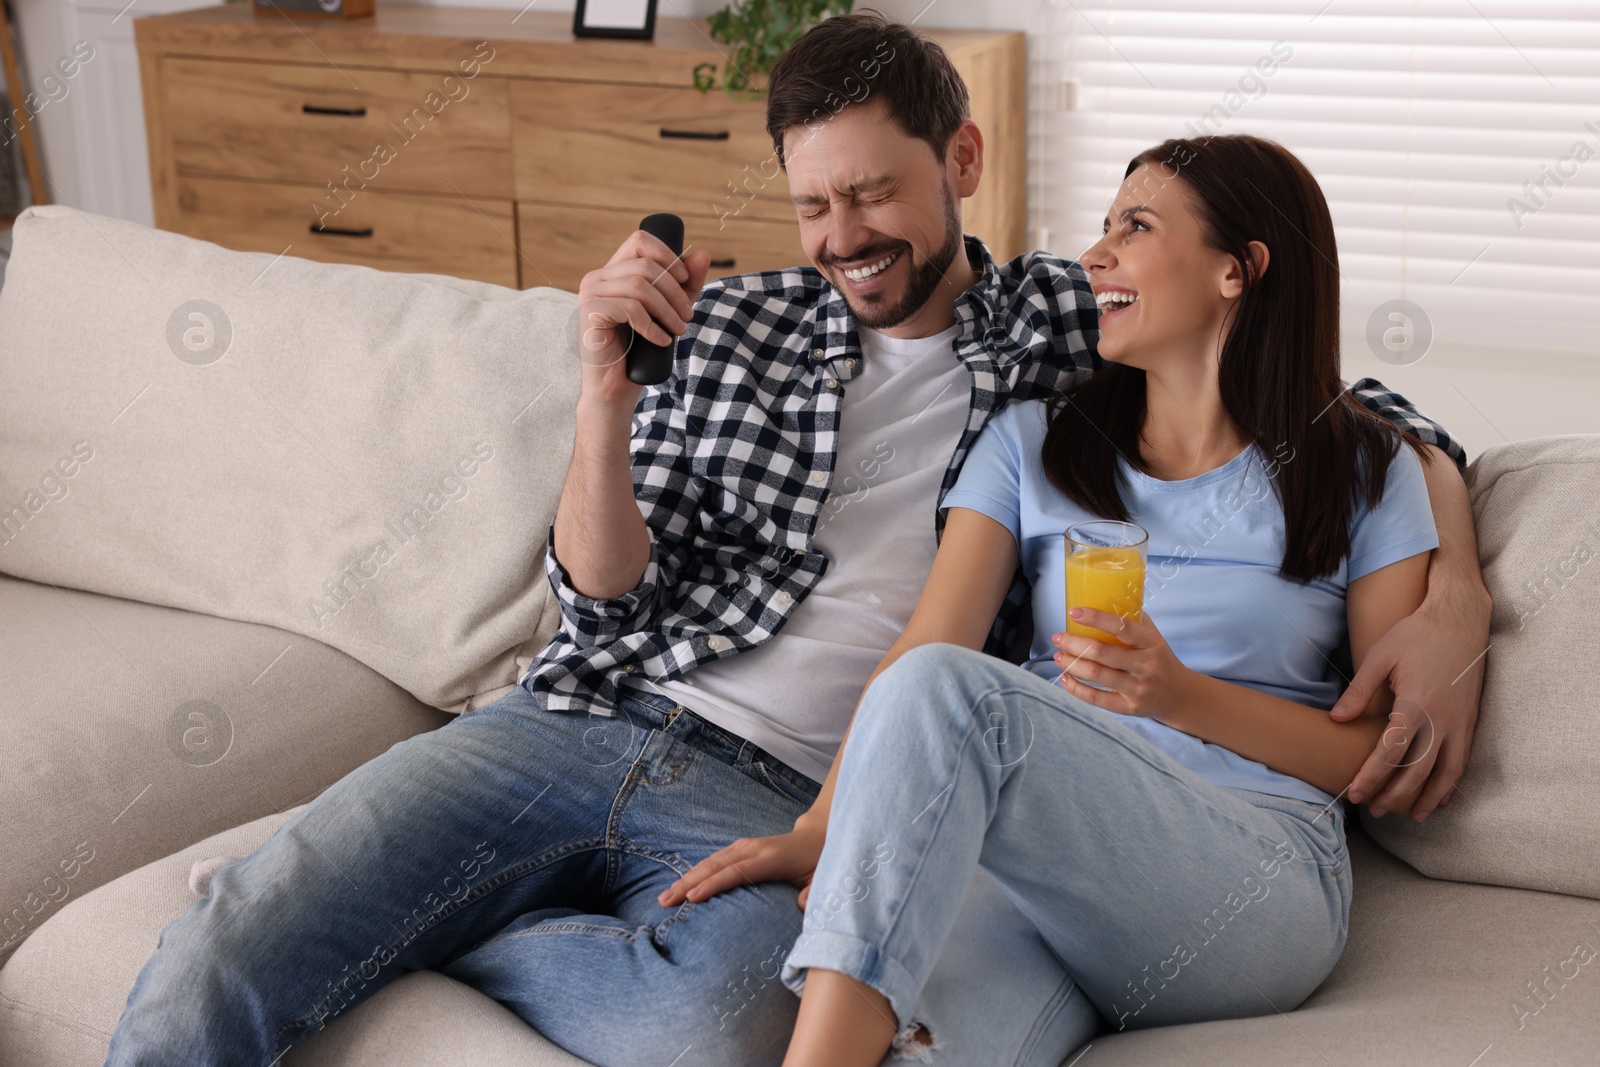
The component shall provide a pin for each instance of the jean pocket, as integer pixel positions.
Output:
(1333, 867)
(780, 784)
(1329, 826)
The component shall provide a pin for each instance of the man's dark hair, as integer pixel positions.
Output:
(860, 57)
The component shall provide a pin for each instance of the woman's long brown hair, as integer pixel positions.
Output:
(1279, 371)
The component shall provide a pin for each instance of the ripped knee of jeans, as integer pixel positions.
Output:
(914, 1043)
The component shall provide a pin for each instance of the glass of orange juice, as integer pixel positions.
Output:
(1105, 570)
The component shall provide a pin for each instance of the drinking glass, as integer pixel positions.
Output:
(1105, 563)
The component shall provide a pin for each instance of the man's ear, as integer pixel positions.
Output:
(1233, 276)
(964, 158)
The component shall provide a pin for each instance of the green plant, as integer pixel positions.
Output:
(757, 32)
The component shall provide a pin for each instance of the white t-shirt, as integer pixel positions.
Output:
(900, 421)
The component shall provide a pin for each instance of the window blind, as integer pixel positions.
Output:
(1457, 141)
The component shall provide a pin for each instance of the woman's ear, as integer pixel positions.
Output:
(1259, 258)
(1233, 275)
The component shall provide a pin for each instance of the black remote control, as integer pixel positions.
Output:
(649, 363)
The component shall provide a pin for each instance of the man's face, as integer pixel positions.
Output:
(878, 214)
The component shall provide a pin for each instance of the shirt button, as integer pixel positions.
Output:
(832, 383)
(850, 363)
(785, 597)
(818, 477)
(628, 669)
(818, 353)
(714, 643)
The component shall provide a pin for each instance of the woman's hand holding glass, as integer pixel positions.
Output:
(790, 857)
(1144, 678)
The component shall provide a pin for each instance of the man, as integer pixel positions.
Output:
(734, 551)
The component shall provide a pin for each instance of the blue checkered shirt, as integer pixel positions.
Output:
(734, 455)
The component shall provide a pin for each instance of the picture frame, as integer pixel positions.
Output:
(615, 18)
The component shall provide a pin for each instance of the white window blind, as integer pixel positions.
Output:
(1457, 141)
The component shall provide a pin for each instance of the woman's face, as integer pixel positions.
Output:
(1164, 294)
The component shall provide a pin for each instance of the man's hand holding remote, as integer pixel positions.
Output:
(600, 536)
(645, 285)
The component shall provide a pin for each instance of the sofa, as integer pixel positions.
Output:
(261, 518)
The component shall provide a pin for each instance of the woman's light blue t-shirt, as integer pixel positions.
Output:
(1212, 584)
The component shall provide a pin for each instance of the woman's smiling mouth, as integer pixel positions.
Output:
(1113, 302)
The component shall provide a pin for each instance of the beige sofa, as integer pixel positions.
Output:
(261, 518)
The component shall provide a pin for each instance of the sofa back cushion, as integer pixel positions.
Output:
(368, 459)
(1527, 812)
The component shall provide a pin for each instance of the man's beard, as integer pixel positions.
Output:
(922, 278)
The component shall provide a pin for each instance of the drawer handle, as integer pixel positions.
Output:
(695, 135)
(313, 109)
(336, 232)
(724, 264)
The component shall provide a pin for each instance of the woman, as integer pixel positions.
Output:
(1172, 829)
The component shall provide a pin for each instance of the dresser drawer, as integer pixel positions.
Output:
(562, 244)
(394, 131)
(390, 231)
(647, 148)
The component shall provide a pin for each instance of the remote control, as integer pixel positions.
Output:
(649, 363)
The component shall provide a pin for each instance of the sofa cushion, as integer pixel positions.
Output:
(1432, 973)
(1527, 812)
(132, 731)
(63, 992)
(367, 458)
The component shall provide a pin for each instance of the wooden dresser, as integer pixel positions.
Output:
(491, 145)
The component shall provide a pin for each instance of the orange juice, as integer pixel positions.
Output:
(1108, 579)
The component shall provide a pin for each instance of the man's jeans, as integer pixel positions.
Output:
(1169, 899)
(521, 850)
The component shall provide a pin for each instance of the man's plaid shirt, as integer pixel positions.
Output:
(733, 457)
